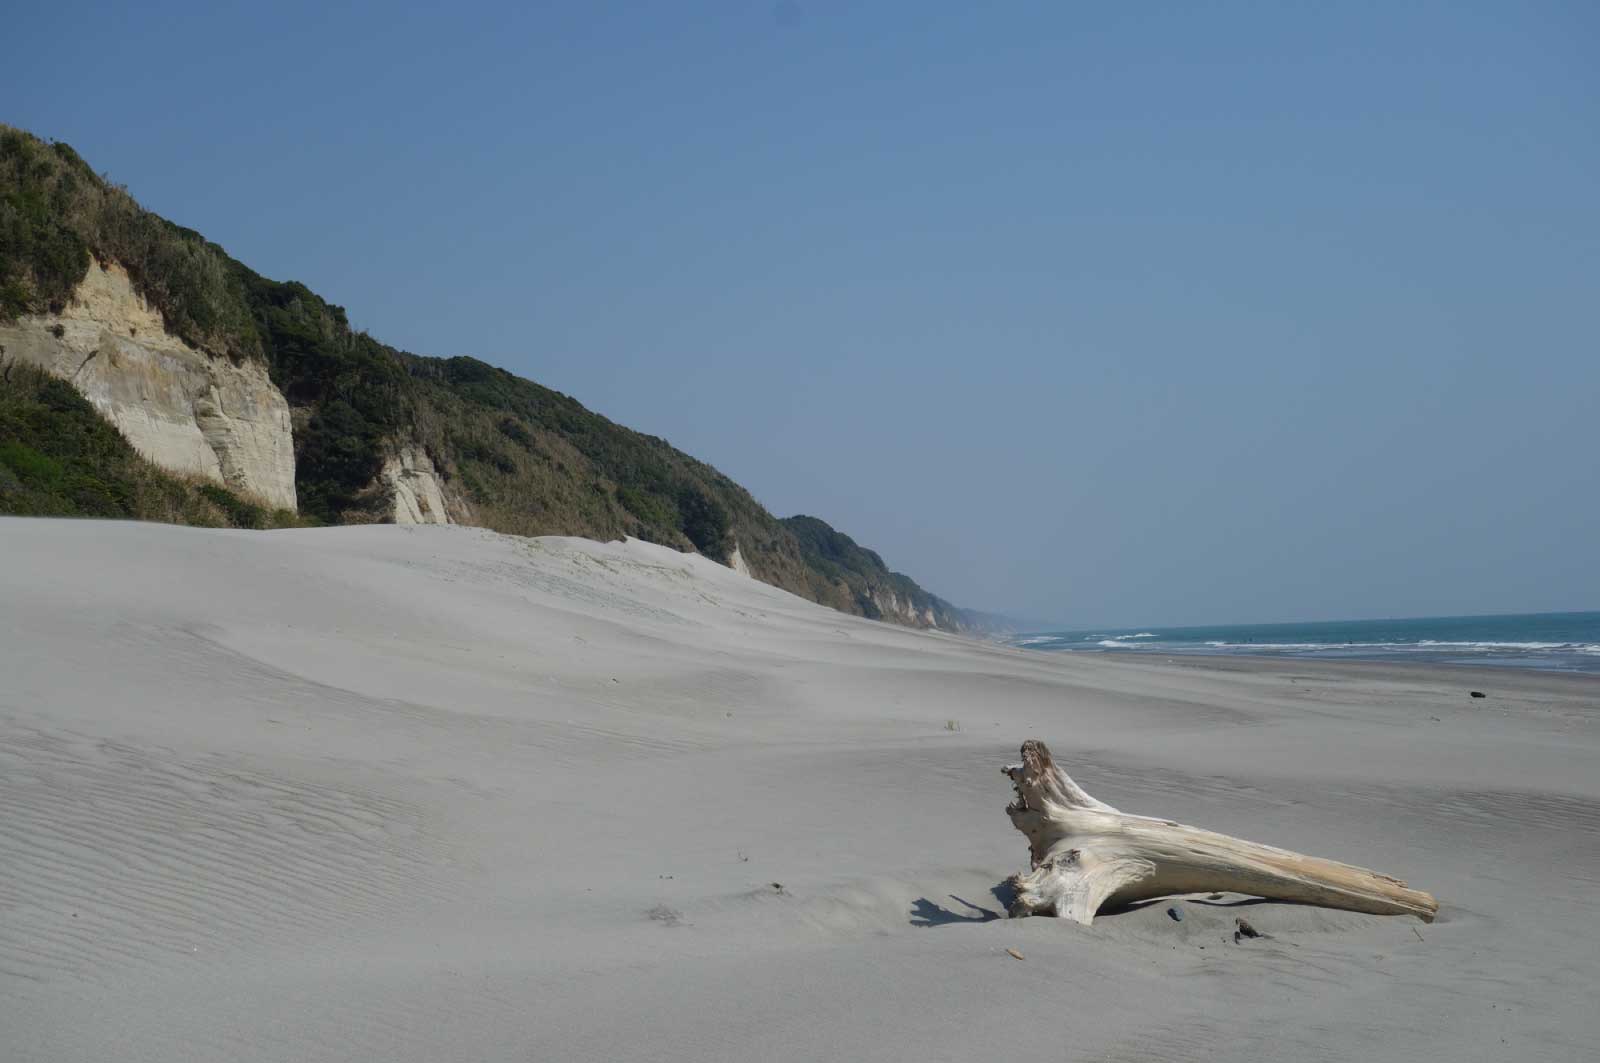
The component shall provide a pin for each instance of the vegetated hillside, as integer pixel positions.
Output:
(515, 457)
(851, 577)
(533, 461)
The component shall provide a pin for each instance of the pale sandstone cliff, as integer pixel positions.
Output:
(903, 611)
(183, 409)
(414, 482)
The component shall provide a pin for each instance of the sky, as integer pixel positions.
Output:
(1103, 314)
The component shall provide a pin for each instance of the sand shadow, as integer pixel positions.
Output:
(926, 912)
(1238, 902)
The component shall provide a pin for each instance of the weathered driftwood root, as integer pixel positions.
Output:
(1087, 854)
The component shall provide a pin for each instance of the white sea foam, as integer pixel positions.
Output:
(1579, 655)
(1499, 645)
(1424, 645)
(1296, 645)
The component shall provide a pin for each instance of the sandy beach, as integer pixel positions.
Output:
(428, 794)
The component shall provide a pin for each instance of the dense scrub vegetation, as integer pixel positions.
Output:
(536, 461)
(350, 395)
(55, 213)
(60, 458)
(519, 457)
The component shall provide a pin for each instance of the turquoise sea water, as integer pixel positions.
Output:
(1568, 642)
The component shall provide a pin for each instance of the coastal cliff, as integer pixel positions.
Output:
(261, 389)
(187, 411)
(850, 577)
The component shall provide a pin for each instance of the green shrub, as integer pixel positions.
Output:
(241, 514)
(705, 522)
(29, 465)
(650, 508)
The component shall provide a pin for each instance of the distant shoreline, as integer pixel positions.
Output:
(1540, 642)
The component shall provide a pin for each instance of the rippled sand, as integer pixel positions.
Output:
(433, 793)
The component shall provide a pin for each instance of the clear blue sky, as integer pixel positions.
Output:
(1104, 313)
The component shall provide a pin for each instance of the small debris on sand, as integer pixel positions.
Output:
(1478, 694)
(1014, 954)
(665, 916)
(1176, 914)
(1247, 931)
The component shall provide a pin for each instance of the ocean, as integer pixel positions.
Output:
(1565, 642)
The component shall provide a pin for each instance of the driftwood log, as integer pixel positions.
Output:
(1087, 854)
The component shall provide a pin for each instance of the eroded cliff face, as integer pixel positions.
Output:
(183, 409)
(901, 611)
(415, 483)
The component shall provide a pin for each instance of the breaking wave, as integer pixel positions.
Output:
(1558, 641)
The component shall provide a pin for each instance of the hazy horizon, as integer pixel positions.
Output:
(1158, 316)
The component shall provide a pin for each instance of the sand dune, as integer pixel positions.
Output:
(432, 794)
